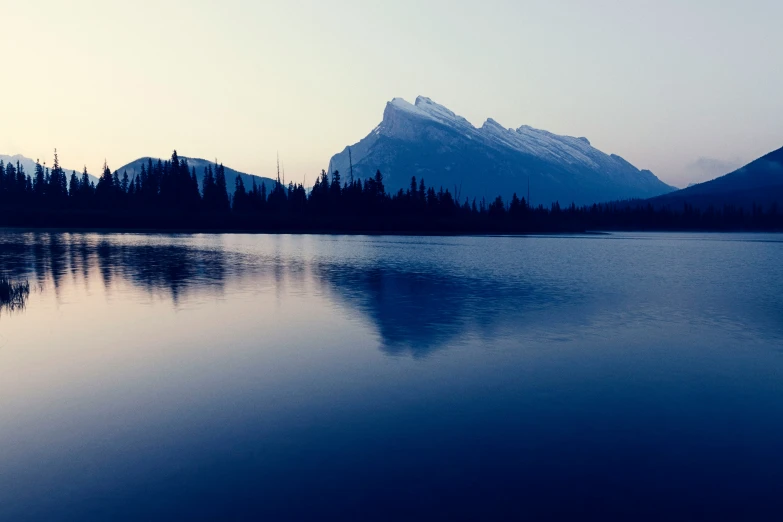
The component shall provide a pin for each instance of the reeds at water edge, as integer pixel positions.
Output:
(13, 295)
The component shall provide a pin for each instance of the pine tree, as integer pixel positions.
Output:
(86, 187)
(73, 186)
(39, 183)
(240, 195)
(104, 192)
(58, 184)
(85, 182)
(10, 176)
(335, 192)
(209, 190)
(222, 189)
(143, 181)
(47, 180)
(194, 195)
(3, 183)
(515, 208)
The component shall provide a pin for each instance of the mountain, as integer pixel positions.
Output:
(133, 168)
(29, 166)
(429, 141)
(759, 182)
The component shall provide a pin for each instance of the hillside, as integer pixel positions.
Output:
(759, 182)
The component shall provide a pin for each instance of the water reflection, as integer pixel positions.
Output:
(249, 387)
(415, 311)
(49, 259)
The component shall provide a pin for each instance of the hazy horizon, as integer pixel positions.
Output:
(686, 90)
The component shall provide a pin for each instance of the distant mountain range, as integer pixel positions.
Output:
(134, 168)
(29, 165)
(759, 182)
(429, 141)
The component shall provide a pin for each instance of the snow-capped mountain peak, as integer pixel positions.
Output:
(406, 106)
(426, 108)
(426, 138)
(524, 139)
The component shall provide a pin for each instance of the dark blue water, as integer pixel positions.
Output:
(207, 377)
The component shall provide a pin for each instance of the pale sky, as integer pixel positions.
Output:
(684, 88)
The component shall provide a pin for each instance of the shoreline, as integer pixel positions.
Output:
(333, 232)
(317, 232)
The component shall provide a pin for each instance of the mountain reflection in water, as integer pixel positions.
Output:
(415, 311)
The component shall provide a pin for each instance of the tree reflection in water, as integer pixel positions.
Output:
(415, 310)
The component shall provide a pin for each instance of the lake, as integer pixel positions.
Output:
(274, 377)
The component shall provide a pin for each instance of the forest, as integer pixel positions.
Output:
(166, 195)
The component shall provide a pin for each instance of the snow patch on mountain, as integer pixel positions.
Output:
(525, 139)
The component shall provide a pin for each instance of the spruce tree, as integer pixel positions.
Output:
(39, 183)
(240, 195)
(104, 192)
(58, 184)
(335, 192)
(222, 189)
(209, 190)
(73, 186)
(85, 182)
(3, 183)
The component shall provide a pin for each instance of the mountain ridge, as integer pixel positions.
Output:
(134, 168)
(760, 182)
(29, 166)
(428, 140)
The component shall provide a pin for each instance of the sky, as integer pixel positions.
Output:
(687, 89)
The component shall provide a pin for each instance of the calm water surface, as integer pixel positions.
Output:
(189, 377)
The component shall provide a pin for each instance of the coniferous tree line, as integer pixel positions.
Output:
(166, 194)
